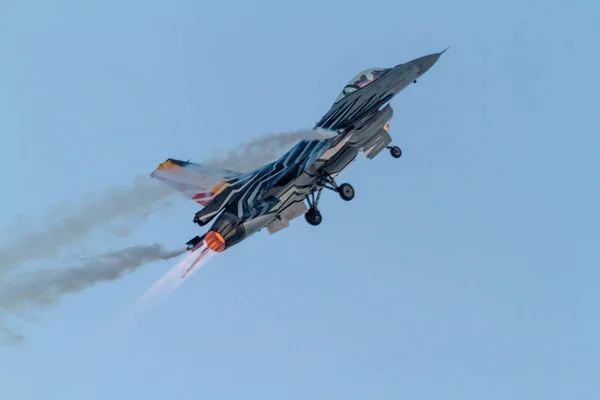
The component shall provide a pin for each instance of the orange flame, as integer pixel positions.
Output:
(214, 241)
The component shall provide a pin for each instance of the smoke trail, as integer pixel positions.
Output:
(260, 151)
(131, 205)
(46, 287)
(137, 201)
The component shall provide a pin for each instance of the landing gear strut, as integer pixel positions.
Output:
(345, 190)
(313, 216)
(395, 151)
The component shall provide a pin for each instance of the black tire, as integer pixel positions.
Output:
(313, 217)
(346, 191)
(395, 152)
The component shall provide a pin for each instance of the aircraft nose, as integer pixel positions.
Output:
(426, 62)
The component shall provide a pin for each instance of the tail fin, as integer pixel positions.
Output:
(199, 182)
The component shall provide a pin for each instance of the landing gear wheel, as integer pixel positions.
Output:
(313, 217)
(395, 151)
(346, 191)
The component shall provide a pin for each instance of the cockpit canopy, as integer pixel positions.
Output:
(361, 80)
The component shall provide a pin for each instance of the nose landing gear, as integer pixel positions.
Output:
(346, 191)
(395, 151)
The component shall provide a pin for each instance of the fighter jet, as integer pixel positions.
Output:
(242, 203)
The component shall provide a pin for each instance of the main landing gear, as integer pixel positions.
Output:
(345, 190)
(313, 216)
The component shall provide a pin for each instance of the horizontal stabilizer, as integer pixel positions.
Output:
(193, 243)
(199, 182)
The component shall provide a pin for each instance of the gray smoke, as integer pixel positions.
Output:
(131, 205)
(260, 151)
(44, 288)
(136, 202)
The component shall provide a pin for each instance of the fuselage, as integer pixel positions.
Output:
(276, 192)
(283, 185)
(356, 100)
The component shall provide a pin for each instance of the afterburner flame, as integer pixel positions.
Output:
(214, 241)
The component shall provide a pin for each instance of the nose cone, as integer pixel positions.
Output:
(426, 62)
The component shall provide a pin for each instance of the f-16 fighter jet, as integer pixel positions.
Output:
(243, 203)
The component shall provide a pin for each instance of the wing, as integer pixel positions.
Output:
(199, 182)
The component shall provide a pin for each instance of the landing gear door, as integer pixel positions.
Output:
(376, 144)
(293, 211)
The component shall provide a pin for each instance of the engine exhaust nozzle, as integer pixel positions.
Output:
(214, 241)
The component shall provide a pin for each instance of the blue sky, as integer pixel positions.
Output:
(467, 269)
